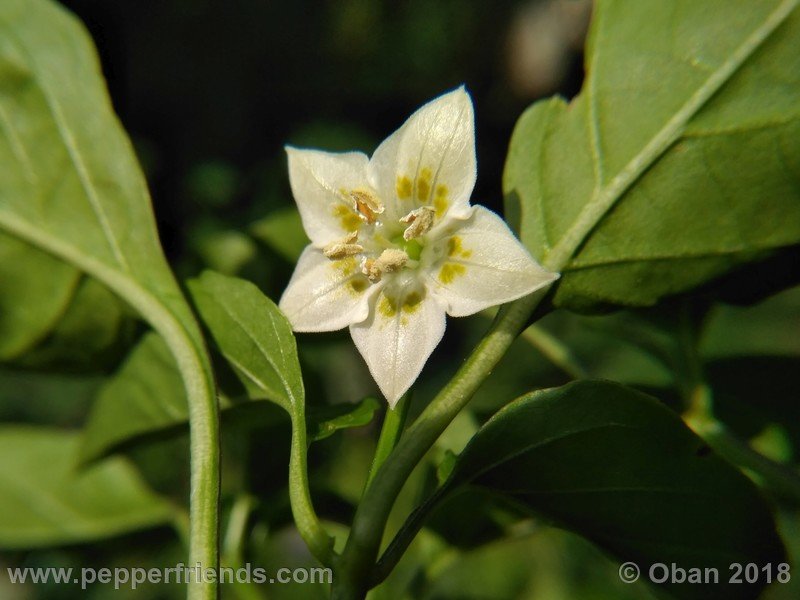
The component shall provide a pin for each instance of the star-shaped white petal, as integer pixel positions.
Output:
(396, 244)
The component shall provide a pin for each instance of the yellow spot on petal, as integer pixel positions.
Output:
(387, 307)
(347, 217)
(358, 285)
(390, 306)
(455, 248)
(412, 302)
(440, 202)
(450, 271)
(346, 266)
(424, 184)
(404, 187)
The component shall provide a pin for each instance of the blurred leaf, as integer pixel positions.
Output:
(617, 467)
(624, 346)
(324, 421)
(679, 160)
(46, 398)
(144, 396)
(91, 335)
(752, 392)
(769, 328)
(471, 517)
(282, 231)
(71, 185)
(226, 251)
(253, 335)
(497, 571)
(213, 183)
(548, 563)
(30, 306)
(46, 501)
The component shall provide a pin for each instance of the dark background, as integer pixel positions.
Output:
(211, 91)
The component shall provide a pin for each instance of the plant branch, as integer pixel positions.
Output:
(392, 427)
(373, 511)
(198, 379)
(305, 517)
(554, 350)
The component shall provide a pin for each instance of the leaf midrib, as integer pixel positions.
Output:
(75, 156)
(288, 390)
(604, 197)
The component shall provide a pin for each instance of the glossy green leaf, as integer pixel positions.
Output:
(146, 395)
(620, 469)
(47, 501)
(253, 335)
(680, 158)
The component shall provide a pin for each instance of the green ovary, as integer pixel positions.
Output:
(411, 247)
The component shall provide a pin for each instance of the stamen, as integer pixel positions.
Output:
(344, 247)
(366, 205)
(389, 261)
(419, 222)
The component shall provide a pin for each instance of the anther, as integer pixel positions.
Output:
(419, 222)
(366, 205)
(389, 261)
(344, 247)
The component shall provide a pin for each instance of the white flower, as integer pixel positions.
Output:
(395, 243)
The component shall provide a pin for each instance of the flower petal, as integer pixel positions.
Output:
(430, 160)
(397, 340)
(321, 183)
(478, 263)
(324, 294)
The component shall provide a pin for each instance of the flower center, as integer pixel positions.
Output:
(379, 253)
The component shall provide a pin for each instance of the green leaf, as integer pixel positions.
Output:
(679, 160)
(30, 306)
(46, 501)
(751, 393)
(91, 335)
(71, 186)
(253, 335)
(282, 230)
(324, 421)
(146, 395)
(257, 340)
(768, 328)
(617, 467)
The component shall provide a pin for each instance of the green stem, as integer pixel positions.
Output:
(392, 427)
(700, 417)
(233, 544)
(776, 476)
(412, 526)
(233, 548)
(554, 350)
(181, 335)
(305, 517)
(353, 570)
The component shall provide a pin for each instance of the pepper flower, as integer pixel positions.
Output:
(395, 243)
